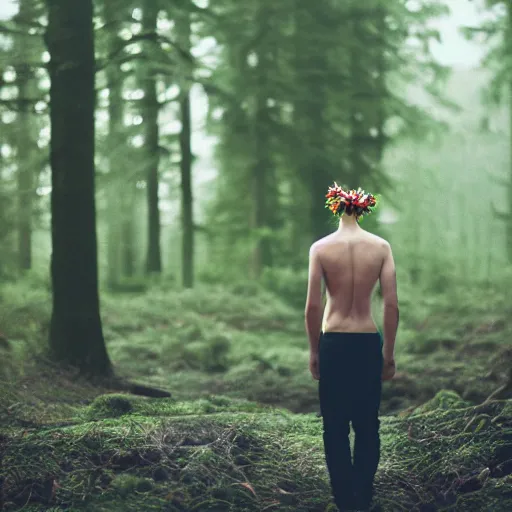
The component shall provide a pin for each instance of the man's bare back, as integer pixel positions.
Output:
(352, 263)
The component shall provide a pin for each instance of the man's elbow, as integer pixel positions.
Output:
(391, 308)
(390, 300)
(312, 309)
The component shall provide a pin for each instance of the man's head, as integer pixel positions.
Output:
(351, 203)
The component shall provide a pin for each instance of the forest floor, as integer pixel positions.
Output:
(236, 363)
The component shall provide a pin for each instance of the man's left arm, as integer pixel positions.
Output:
(314, 303)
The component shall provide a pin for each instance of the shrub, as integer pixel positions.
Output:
(290, 285)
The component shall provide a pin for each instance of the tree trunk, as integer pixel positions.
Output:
(309, 117)
(151, 143)
(186, 191)
(76, 335)
(263, 167)
(509, 221)
(128, 253)
(506, 216)
(262, 253)
(115, 153)
(25, 173)
(298, 243)
(366, 115)
(187, 213)
(27, 148)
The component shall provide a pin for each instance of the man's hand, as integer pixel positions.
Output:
(314, 366)
(388, 369)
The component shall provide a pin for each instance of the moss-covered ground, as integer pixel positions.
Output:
(230, 438)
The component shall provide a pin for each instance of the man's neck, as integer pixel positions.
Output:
(349, 225)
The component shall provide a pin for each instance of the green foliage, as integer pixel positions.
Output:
(440, 240)
(7, 231)
(290, 285)
(293, 122)
(284, 129)
(445, 399)
(114, 405)
(58, 424)
(23, 112)
(127, 484)
(25, 313)
(496, 33)
(130, 284)
(110, 406)
(248, 343)
(210, 355)
(189, 461)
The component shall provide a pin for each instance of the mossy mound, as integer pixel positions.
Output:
(114, 405)
(111, 406)
(445, 399)
(188, 459)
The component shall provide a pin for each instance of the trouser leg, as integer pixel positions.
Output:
(366, 425)
(334, 394)
(366, 459)
(338, 459)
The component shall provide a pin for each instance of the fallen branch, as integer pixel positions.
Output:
(119, 384)
(502, 392)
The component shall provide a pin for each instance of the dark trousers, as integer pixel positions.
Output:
(350, 388)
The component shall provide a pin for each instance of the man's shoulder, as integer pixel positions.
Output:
(321, 242)
(378, 239)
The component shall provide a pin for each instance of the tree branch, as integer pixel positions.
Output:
(500, 215)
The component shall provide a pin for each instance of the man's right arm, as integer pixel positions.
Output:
(390, 298)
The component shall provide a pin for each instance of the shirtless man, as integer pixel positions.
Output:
(347, 354)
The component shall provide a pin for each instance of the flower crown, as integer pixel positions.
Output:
(355, 201)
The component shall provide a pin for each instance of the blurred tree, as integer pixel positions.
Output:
(150, 109)
(123, 59)
(312, 93)
(8, 185)
(7, 216)
(246, 90)
(76, 335)
(116, 148)
(27, 58)
(368, 94)
(497, 32)
(183, 39)
(262, 196)
(298, 96)
(317, 81)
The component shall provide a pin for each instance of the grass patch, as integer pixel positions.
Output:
(245, 342)
(236, 365)
(147, 454)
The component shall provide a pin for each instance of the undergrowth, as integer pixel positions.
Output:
(236, 362)
(125, 453)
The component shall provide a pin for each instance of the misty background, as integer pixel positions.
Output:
(163, 171)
